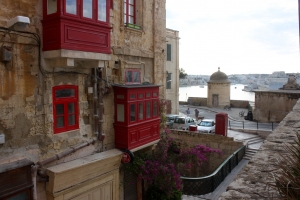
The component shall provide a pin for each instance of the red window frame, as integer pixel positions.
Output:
(79, 14)
(155, 111)
(127, 5)
(65, 101)
(132, 77)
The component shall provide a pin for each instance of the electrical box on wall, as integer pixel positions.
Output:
(6, 54)
(2, 138)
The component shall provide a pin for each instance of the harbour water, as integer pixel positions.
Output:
(236, 93)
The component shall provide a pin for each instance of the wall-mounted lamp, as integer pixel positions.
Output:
(19, 23)
(169, 80)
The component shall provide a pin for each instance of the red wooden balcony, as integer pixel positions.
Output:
(76, 25)
(137, 120)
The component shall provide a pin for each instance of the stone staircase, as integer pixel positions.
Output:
(249, 153)
(253, 140)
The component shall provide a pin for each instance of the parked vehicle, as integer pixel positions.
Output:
(206, 126)
(170, 119)
(183, 123)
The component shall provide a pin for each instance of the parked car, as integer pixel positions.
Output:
(170, 119)
(206, 126)
(183, 123)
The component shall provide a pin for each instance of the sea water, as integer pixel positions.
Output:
(236, 93)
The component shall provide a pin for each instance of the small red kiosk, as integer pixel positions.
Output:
(221, 124)
(137, 120)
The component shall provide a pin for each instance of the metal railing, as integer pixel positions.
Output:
(207, 184)
(252, 125)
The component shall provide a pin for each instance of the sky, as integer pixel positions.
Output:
(239, 36)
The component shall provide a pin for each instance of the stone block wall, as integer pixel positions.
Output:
(199, 101)
(273, 106)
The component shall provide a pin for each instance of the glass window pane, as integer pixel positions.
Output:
(155, 94)
(141, 95)
(64, 93)
(131, 20)
(154, 108)
(59, 109)
(120, 96)
(87, 8)
(120, 112)
(132, 112)
(131, 1)
(71, 108)
(125, 10)
(102, 10)
(71, 120)
(51, 6)
(136, 77)
(21, 196)
(60, 122)
(148, 110)
(132, 96)
(141, 111)
(131, 10)
(71, 6)
(125, 19)
(129, 76)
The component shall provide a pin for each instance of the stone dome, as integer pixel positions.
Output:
(219, 77)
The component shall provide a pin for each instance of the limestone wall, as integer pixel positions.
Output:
(253, 180)
(199, 101)
(273, 106)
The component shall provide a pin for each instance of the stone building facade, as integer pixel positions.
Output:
(218, 90)
(57, 110)
(274, 105)
(172, 70)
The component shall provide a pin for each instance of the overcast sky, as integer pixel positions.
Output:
(239, 36)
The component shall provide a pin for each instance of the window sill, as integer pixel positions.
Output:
(133, 30)
(133, 26)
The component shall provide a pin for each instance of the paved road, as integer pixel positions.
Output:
(235, 120)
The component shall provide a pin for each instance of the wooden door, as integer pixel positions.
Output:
(215, 100)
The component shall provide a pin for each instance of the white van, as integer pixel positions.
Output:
(206, 126)
(183, 123)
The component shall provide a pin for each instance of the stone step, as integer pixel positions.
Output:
(255, 141)
(249, 153)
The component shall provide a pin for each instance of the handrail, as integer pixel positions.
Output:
(207, 184)
(218, 169)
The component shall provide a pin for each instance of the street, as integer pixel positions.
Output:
(234, 120)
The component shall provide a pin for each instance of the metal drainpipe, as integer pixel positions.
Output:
(96, 116)
(33, 178)
(101, 135)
